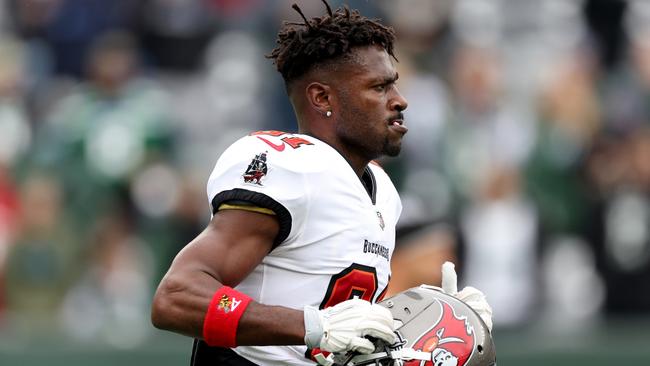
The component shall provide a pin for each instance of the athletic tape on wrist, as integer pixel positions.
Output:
(313, 327)
(221, 320)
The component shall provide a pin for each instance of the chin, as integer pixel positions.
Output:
(392, 150)
(392, 146)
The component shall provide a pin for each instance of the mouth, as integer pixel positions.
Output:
(397, 124)
(396, 119)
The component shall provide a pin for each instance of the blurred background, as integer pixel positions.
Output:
(527, 163)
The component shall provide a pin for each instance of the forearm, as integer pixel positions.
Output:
(270, 325)
(181, 306)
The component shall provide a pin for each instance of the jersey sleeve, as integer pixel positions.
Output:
(251, 172)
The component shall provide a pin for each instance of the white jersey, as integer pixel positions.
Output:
(336, 237)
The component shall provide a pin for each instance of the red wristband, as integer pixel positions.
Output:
(221, 320)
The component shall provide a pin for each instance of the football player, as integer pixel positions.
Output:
(303, 225)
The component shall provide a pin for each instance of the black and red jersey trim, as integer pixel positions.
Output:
(370, 184)
(259, 200)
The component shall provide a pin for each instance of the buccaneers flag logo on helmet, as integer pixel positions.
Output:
(451, 339)
(432, 329)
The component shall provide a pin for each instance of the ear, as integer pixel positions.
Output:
(319, 96)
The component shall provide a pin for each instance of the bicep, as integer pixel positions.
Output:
(231, 246)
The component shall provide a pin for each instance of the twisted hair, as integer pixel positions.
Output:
(321, 39)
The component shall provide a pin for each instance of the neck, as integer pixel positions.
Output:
(359, 171)
(357, 162)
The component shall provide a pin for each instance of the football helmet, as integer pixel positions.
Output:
(433, 329)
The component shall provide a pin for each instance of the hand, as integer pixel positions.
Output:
(469, 295)
(342, 327)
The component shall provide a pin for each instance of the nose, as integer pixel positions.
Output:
(398, 102)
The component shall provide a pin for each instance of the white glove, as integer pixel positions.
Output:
(469, 295)
(342, 327)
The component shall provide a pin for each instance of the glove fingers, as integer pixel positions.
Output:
(476, 300)
(479, 301)
(470, 293)
(361, 345)
(484, 311)
(378, 323)
(386, 334)
(344, 326)
(449, 279)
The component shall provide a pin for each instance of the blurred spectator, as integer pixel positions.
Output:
(108, 129)
(500, 230)
(570, 117)
(111, 299)
(42, 262)
(487, 129)
(618, 174)
(573, 291)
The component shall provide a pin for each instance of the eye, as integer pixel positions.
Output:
(380, 88)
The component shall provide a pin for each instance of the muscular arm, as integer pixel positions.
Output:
(231, 246)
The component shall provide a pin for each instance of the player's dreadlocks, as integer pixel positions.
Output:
(303, 45)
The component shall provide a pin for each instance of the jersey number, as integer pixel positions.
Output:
(355, 281)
